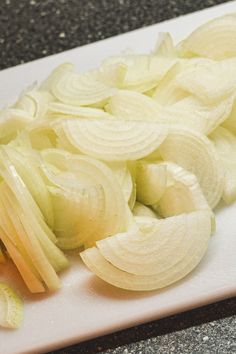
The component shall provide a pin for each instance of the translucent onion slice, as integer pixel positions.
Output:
(215, 39)
(79, 215)
(30, 175)
(195, 153)
(168, 91)
(30, 242)
(107, 201)
(130, 105)
(182, 194)
(30, 226)
(55, 75)
(142, 72)
(191, 113)
(164, 45)
(16, 250)
(38, 135)
(210, 81)
(142, 210)
(58, 109)
(80, 90)
(151, 180)
(123, 175)
(225, 144)
(154, 260)
(11, 314)
(12, 121)
(35, 102)
(113, 140)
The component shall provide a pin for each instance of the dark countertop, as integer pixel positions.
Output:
(31, 29)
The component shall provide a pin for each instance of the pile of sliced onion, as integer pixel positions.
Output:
(125, 164)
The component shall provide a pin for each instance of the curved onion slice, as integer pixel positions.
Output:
(215, 39)
(130, 105)
(142, 72)
(12, 121)
(140, 210)
(58, 109)
(191, 113)
(209, 81)
(196, 154)
(35, 235)
(112, 140)
(103, 210)
(168, 91)
(164, 45)
(11, 314)
(225, 144)
(35, 102)
(30, 175)
(151, 179)
(80, 90)
(168, 253)
(123, 175)
(182, 194)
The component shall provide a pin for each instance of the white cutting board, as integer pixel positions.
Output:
(86, 307)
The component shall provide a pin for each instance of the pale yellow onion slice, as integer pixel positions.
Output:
(142, 72)
(155, 260)
(210, 81)
(79, 215)
(191, 113)
(30, 225)
(123, 175)
(164, 45)
(113, 140)
(195, 153)
(215, 39)
(15, 248)
(111, 211)
(168, 91)
(30, 175)
(55, 75)
(30, 242)
(35, 102)
(151, 180)
(57, 109)
(140, 210)
(12, 121)
(80, 90)
(182, 194)
(225, 144)
(110, 72)
(11, 314)
(130, 105)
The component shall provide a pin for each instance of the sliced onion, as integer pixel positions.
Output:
(113, 140)
(215, 39)
(225, 144)
(130, 105)
(182, 193)
(140, 210)
(196, 154)
(80, 90)
(154, 260)
(151, 180)
(11, 314)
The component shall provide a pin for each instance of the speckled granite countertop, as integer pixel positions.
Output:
(31, 29)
